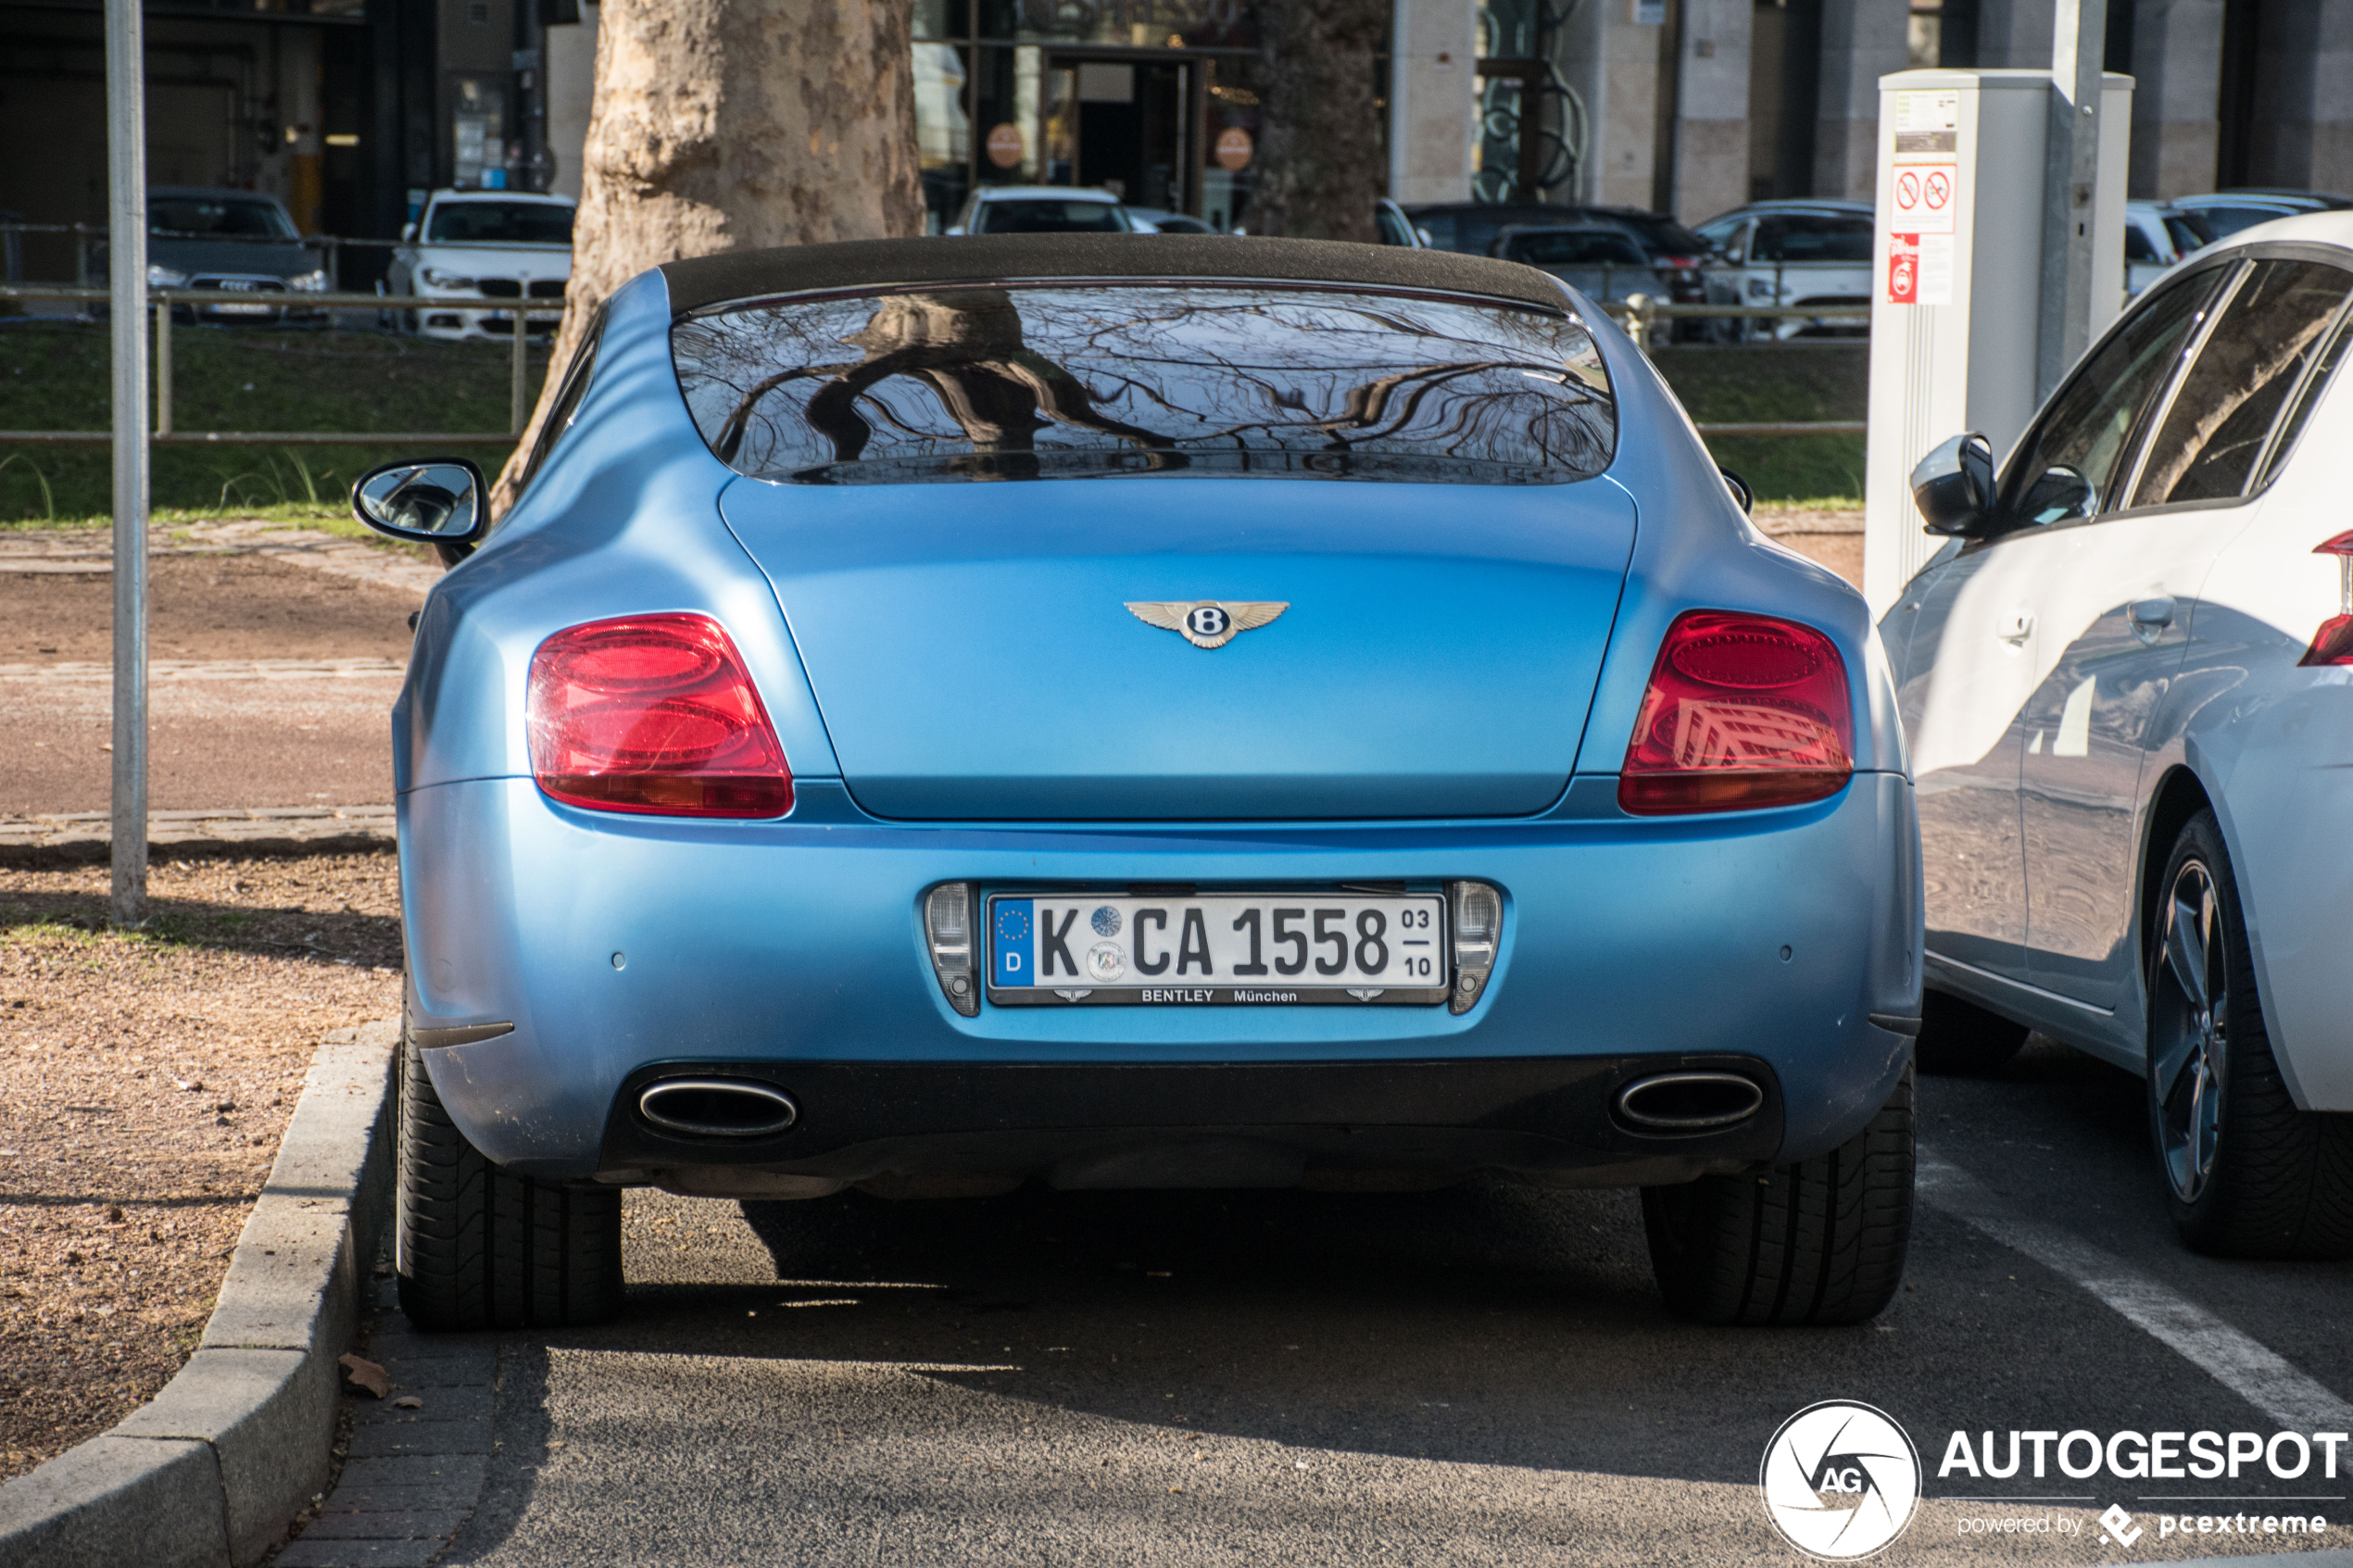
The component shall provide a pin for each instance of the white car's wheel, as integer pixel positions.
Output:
(2246, 1173)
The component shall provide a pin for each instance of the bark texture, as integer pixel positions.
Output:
(731, 125)
(1320, 153)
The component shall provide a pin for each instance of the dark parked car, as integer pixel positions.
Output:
(1602, 260)
(1672, 250)
(241, 242)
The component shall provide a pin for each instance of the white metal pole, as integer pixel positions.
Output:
(2079, 43)
(126, 284)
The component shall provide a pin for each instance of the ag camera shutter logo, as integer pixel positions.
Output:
(1841, 1480)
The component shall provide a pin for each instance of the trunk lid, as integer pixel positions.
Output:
(973, 657)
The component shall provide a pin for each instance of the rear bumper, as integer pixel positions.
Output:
(915, 1126)
(794, 950)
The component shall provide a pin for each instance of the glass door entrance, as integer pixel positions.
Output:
(1128, 126)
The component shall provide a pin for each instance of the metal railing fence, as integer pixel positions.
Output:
(1639, 314)
(300, 302)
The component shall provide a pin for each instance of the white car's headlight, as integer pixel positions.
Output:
(160, 276)
(435, 278)
(313, 282)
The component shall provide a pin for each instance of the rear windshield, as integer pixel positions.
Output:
(529, 223)
(1051, 382)
(1048, 217)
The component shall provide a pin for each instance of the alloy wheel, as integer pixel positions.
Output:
(2189, 1034)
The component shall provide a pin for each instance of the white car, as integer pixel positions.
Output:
(1044, 209)
(2156, 236)
(507, 245)
(1792, 253)
(2127, 685)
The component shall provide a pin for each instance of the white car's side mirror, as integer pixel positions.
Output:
(953, 229)
(408, 234)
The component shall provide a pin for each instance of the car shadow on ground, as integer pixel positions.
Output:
(278, 930)
(1489, 1323)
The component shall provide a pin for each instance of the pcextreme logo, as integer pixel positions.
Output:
(1840, 1480)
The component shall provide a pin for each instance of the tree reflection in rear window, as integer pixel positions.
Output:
(1055, 382)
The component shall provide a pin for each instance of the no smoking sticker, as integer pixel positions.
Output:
(1921, 198)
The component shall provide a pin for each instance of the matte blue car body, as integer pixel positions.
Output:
(799, 938)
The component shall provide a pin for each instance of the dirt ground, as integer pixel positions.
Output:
(205, 606)
(1842, 553)
(145, 1082)
(222, 740)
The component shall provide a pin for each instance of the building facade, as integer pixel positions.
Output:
(346, 110)
(349, 110)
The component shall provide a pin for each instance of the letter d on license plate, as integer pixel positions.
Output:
(1225, 949)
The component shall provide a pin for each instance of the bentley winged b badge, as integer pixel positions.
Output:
(1207, 623)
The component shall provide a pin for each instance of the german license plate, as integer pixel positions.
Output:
(1225, 949)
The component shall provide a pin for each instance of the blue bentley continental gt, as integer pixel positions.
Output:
(1138, 711)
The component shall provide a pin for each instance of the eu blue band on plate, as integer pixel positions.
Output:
(1011, 963)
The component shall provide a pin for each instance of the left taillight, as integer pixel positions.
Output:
(653, 714)
(1743, 712)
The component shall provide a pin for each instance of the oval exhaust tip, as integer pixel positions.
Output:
(1688, 1102)
(717, 1108)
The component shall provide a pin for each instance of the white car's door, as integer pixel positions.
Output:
(1991, 632)
(1965, 675)
(2115, 607)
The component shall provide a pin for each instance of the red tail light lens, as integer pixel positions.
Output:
(655, 714)
(2333, 643)
(1743, 711)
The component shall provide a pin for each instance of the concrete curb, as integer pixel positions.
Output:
(214, 1468)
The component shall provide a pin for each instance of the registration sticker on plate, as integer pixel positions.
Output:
(1223, 949)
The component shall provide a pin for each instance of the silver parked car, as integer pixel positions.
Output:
(1792, 253)
(2156, 236)
(1045, 209)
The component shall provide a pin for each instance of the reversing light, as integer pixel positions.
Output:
(1743, 712)
(1476, 912)
(653, 714)
(947, 927)
(2333, 643)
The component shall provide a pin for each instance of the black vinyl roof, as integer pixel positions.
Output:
(706, 281)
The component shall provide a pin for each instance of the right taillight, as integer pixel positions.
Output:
(654, 714)
(1743, 712)
(2333, 643)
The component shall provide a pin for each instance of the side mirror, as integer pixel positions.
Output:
(408, 234)
(1953, 486)
(439, 503)
(1739, 487)
(2057, 494)
(954, 231)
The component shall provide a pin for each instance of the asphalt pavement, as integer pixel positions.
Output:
(1482, 1374)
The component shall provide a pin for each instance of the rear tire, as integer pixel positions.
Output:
(1820, 1242)
(479, 1248)
(2246, 1173)
(1961, 1037)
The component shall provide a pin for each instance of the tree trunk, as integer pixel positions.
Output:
(1320, 148)
(730, 125)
